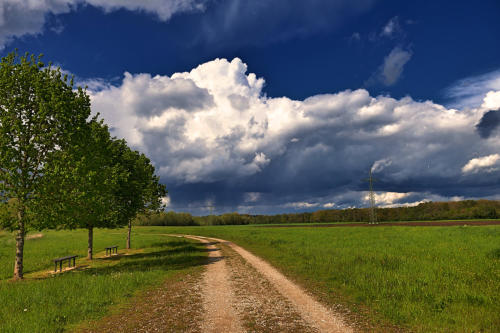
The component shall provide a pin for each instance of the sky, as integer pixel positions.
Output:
(272, 106)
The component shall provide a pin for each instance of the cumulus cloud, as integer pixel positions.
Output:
(488, 124)
(213, 133)
(491, 100)
(18, 18)
(485, 163)
(387, 198)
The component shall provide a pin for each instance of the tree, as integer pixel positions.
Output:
(141, 191)
(40, 112)
(83, 183)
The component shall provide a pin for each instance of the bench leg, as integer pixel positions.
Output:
(60, 266)
(55, 266)
(74, 264)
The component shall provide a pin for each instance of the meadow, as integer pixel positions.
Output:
(45, 302)
(424, 279)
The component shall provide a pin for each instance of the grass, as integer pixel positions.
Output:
(54, 303)
(435, 279)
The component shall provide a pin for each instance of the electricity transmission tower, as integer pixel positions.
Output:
(373, 213)
(211, 217)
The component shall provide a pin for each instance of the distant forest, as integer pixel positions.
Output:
(427, 211)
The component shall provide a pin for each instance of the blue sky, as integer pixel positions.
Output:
(408, 88)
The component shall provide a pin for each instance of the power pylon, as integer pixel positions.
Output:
(373, 207)
(211, 219)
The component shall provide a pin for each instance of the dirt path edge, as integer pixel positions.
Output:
(312, 311)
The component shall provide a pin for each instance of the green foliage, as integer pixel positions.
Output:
(439, 279)
(82, 182)
(40, 113)
(164, 218)
(185, 219)
(55, 304)
(141, 191)
(8, 216)
(428, 211)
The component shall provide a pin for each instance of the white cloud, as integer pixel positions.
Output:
(381, 164)
(329, 205)
(481, 164)
(252, 196)
(166, 201)
(215, 124)
(20, 17)
(163, 9)
(386, 198)
(471, 91)
(391, 28)
(301, 205)
(492, 100)
(393, 66)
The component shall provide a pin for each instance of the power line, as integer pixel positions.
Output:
(373, 207)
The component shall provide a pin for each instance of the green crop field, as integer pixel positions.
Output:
(47, 303)
(425, 279)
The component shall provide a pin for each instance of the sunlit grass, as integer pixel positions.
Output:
(427, 279)
(50, 303)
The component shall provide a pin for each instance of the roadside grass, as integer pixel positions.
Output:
(424, 279)
(46, 302)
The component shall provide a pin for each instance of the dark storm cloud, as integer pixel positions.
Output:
(248, 152)
(160, 93)
(488, 124)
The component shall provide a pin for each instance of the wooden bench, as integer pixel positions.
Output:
(60, 261)
(111, 250)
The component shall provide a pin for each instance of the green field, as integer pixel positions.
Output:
(46, 303)
(426, 279)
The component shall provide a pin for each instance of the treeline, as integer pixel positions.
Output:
(185, 219)
(60, 167)
(456, 210)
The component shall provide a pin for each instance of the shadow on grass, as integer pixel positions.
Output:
(189, 248)
(176, 258)
(169, 243)
(179, 255)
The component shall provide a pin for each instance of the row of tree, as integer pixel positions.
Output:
(467, 209)
(60, 167)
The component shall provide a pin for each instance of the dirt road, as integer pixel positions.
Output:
(309, 315)
(235, 292)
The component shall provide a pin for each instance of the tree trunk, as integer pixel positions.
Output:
(128, 234)
(91, 243)
(18, 266)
